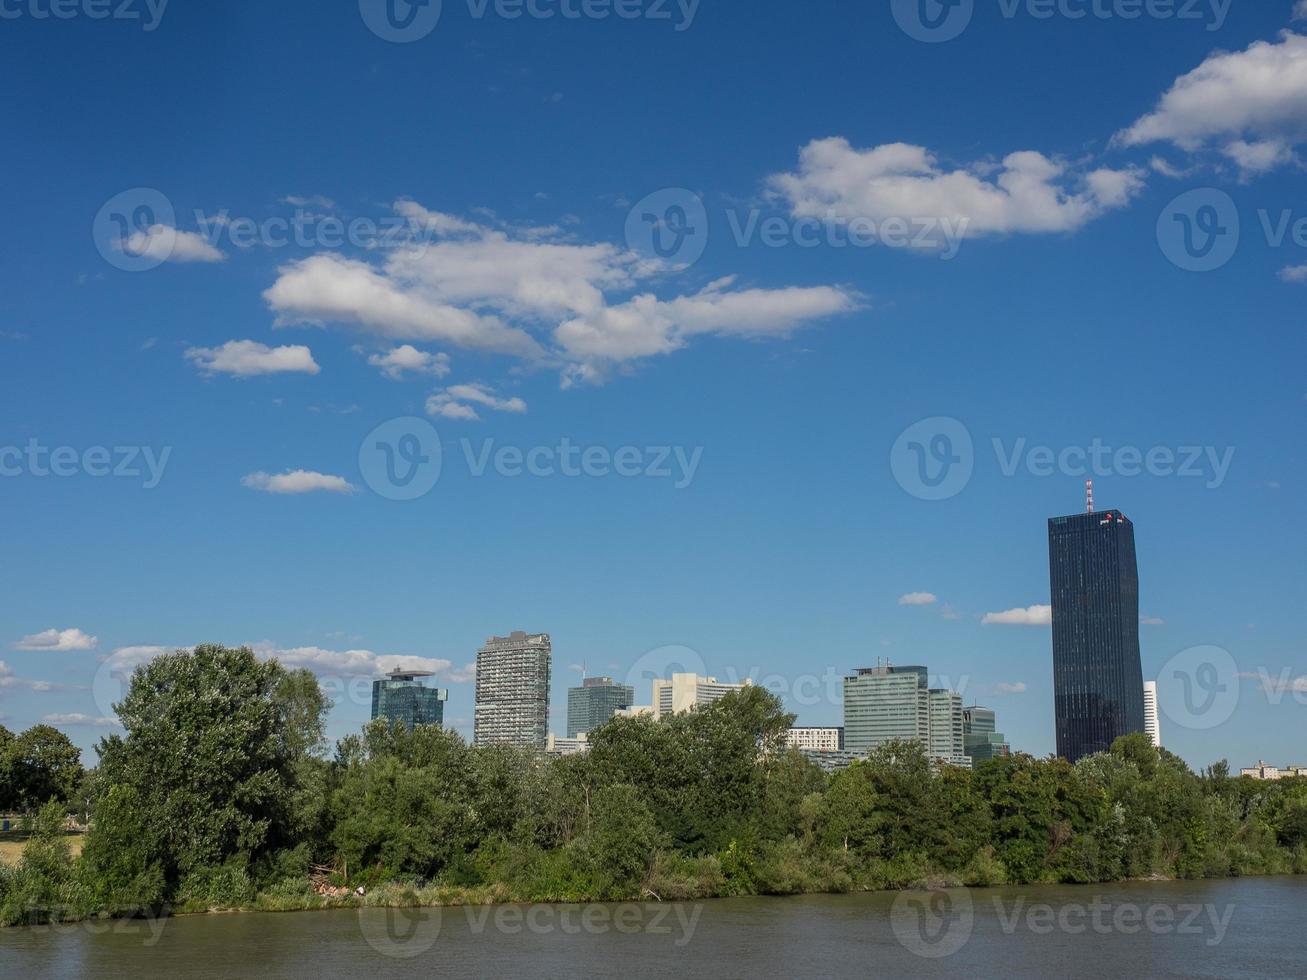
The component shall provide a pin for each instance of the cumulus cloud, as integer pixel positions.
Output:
(1030, 616)
(363, 663)
(1016, 687)
(918, 599)
(1151, 621)
(246, 358)
(79, 720)
(1027, 193)
(1294, 273)
(530, 293)
(297, 482)
(55, 640)
(1250, 105)
(166, 244)
(395, 362)
(452, 402)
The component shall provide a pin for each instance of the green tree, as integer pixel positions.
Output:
(214, 739)
(47, 767)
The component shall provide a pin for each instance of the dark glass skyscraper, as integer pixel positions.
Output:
(1098, 684)
(403, 697)
(594, 702)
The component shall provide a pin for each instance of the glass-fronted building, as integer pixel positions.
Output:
(1098, 684)
(403, 697)
(594, 702)
(981, 740)
(883, 703)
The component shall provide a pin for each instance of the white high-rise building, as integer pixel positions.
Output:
(685, 692)
(816, 739)
(512, 693)
(1152, 724)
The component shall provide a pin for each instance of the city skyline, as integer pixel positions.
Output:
(743, 497)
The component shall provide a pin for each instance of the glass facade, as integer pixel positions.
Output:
(512, 692)
(883, 703)
(594, 702)
(980, 737)
(1098, 682)
(403, 697)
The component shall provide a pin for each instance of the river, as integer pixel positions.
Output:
(1229, 929)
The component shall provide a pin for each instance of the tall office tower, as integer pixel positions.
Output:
(980, 738)
(883, 703)
(888, 702)
(945, 725)
(1098, 683)
(685, 692)
(512, 694)
(402, 696)
(594, 702)
(1152, 724)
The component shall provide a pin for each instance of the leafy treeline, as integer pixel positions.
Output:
(221, 795)
(39, 765)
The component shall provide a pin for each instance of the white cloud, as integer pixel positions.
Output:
(451, 402)
(1285, 683)
(124, 660)
(1030, 616)
(245, 358)
(54, 640)
(167, 244)
(1294, 273)
(531, 294)
(1018, 687)
(296, 482)
(79, 720)
(1151, 621)
(394, 362)
(1251, 105)
(1027, 193)
(918, 599)
(9, 680)
(315, 200)
(363, 663)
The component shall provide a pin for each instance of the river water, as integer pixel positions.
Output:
(1243, 928)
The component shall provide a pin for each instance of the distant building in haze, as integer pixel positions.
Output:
(594, 702)
(1098, 683)
(980, 738)
(1152, 723)
(512, 691)
(816, 739)
(685, 692)
(402, 696)
(888, 702)
(1263, 771)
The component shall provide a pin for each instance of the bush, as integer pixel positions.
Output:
(213, 889)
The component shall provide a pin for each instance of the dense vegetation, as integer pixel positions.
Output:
(221, 795)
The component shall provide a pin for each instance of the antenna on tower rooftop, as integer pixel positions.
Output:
(1089, 496)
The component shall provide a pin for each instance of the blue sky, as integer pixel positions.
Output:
(491, 290)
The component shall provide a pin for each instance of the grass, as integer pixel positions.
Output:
(12, 843)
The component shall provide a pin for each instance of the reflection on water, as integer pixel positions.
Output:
(1233, 929)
